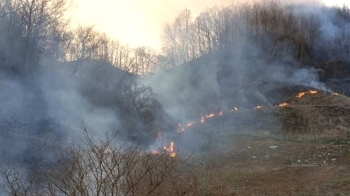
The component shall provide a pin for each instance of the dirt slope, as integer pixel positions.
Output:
(302, 148)
(248, 165)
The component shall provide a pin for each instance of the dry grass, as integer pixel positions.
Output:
(313, 116)
(232, 164)
(318, 115)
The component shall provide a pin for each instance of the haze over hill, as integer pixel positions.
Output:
(233, 56)
(242, 59)
(61, 85)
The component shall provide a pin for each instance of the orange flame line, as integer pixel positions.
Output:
(283, 104)
(211, 115)
(313, 92)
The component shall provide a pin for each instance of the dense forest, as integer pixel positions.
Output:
(61, 84)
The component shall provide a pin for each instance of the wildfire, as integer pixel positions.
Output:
(234, 109)
(301, 94)
(170, 149)
(313, 92)
(334, 93)
(210, 115)
(180, 129)
(283, 104)
(189, 124)
(258, 107)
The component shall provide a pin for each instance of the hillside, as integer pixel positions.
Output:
(301, 147)
(225, 79)
(265, 132)
(258, 127)
(51, 108)
(244, 99)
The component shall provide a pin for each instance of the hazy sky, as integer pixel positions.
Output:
(140, 22)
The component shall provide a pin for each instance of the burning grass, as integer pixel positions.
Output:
(311, 113)
(212, 171)
(232, 164)
(307, 115)
(319, 115)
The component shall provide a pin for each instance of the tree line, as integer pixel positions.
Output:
(312, 34)
(33, 29)
(36, 29)
(37, 34)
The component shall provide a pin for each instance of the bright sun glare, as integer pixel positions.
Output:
(140, 23)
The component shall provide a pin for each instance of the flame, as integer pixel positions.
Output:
(234, 109)
(180, 129)
(258, 107)
(303, 93)
(300, 94)
(313, 92)
(170, 149)
(283, 104)
(210, 115)
(334, 93)
(190, 123)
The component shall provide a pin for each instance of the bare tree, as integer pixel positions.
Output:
(204, 24)
(342, 42)
(37, 22)
(344, 12)
(15, 180)
(85, 43)
(146, 59)
(102, 168)
(176, 39)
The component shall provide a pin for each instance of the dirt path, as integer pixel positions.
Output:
(247, 165)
